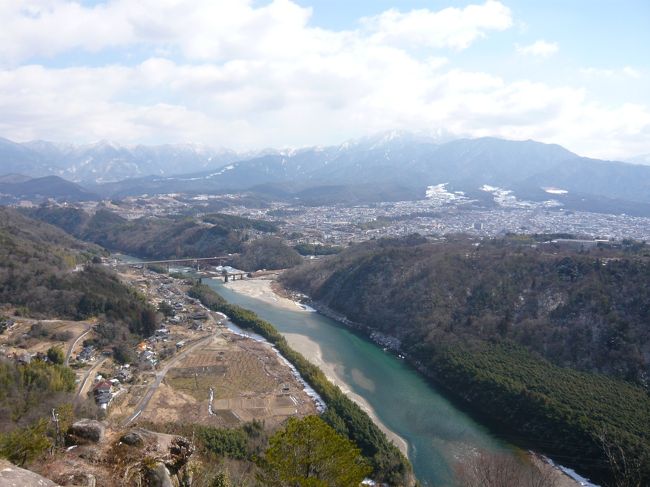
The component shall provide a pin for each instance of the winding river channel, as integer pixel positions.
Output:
(437, 433)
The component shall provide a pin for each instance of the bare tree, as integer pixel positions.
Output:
(486, 469)
(624, 469)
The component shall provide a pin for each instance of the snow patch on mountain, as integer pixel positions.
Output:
(555, 191)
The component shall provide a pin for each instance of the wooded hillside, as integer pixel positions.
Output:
(156, 238)
(506, 325)
(45, 272)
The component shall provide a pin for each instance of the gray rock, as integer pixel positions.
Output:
(12, 476)
(133, 438)
(159, 476)
(88, 429)
(89, 453)
(79, 479)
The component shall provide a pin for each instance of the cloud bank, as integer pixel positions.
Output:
(232, 73)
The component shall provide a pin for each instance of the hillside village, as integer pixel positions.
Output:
(186, 324)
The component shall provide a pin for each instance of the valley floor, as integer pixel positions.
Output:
(216, 377)
(268, 290)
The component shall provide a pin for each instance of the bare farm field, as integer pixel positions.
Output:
(23, 337)
(227, 381)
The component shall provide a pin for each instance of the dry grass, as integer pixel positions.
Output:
(248, 380)
(41, 344)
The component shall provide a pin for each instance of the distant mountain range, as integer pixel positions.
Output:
(105, 161)
(642, 159)
(401, 166)
(387, 167)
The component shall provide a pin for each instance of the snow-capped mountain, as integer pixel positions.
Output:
(394, 166)
(398, 158)
(388, 166)
(105, 161)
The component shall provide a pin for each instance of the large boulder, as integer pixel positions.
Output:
(159, 476)
(88, 429)
(11, 476)
(133, 438)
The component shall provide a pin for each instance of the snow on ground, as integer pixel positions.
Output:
(555, 191)
(583, 482)
(506, 199)
(440, 194)
(209, 176)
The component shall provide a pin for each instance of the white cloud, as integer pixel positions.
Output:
(225, 29)
(624, 72)
(539, 48)
(631, 72)
(451, 27)
(225, 72)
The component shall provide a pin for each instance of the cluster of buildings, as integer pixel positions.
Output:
(342, 225)
(440, 212)
(175, 331)
(87, 354)
(105, 390)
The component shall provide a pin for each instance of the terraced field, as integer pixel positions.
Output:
(247, 381)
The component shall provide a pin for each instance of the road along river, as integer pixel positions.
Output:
(437, 434)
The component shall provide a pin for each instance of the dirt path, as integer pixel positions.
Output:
(74, 344)
(83, 384)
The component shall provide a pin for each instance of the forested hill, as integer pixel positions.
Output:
(46, 273)
(156, 238)
(589, 311)
(506, 324)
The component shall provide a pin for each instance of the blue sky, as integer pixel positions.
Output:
(252, 73)
(592, 33)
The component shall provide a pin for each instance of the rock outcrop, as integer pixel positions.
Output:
(133, 438)
(13, 476)
(159, 476)
(88, 429)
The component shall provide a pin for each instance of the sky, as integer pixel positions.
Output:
(249, 74)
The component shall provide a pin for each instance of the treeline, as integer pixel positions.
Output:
(303, 452)
(344, 415)
(240, 223)
(507, 325)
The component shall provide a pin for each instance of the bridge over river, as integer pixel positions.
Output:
(194, 262)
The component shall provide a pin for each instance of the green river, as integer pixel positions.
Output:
(437, 433)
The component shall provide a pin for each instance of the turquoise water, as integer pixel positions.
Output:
(438, 434)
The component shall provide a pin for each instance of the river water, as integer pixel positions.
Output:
(437, 433)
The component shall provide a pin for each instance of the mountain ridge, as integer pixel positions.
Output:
(18, 187)
(408, 162)
(411, 164)
(106, 161)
